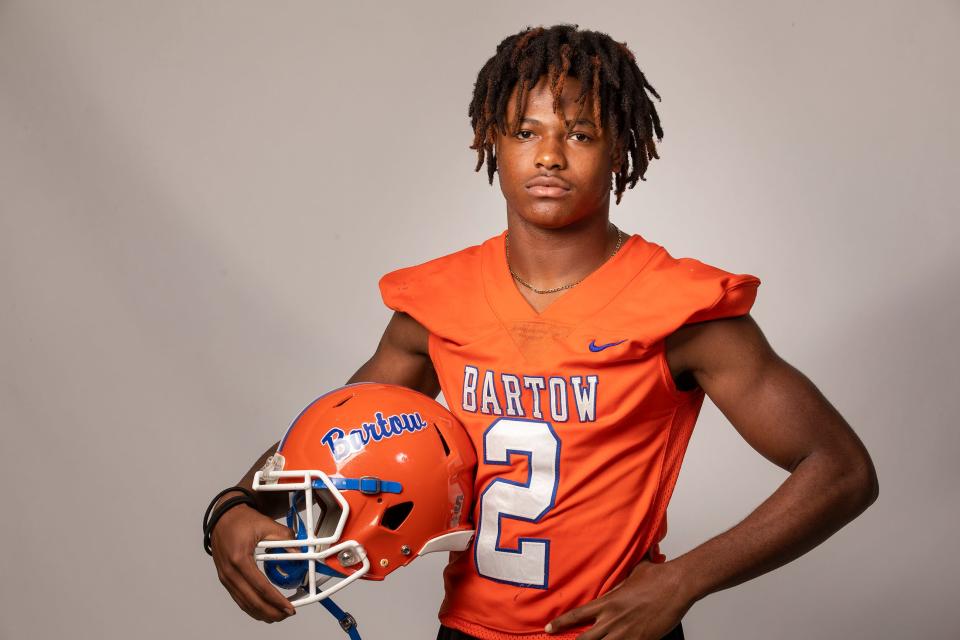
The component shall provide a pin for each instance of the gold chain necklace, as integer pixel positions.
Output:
(566, 286)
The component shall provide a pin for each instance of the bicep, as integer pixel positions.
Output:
(402, 358)
(774, 407)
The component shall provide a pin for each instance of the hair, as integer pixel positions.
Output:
(606, 69)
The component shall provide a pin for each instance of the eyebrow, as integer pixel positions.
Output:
(580, 121)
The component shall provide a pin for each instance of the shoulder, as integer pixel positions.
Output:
(682, 278)
(445, 294)
(433, 274)
(667, 292)
(707, 314)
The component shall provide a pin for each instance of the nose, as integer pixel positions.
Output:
(550, 154)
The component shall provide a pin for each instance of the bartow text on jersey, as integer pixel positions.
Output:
(505, 394)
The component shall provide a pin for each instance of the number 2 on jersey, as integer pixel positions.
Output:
(528, 565)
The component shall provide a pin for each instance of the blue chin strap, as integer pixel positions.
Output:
(292, 574)
(347, 621)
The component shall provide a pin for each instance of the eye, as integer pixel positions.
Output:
(583, 137)
(520, 134)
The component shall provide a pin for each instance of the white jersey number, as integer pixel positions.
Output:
(528, 565)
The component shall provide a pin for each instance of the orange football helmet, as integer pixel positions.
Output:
(377, 475)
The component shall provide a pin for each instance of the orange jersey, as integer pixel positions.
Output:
(578, 426)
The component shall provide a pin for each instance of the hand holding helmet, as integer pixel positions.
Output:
(233, 541)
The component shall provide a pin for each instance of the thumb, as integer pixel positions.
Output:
(273, 530)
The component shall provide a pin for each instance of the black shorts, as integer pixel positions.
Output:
(446, 633)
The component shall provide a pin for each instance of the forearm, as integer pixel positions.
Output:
(817, 499)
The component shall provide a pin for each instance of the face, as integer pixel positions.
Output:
(578, 163)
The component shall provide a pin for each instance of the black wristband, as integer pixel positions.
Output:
(206, 514)
(209, 521)
(218, 513)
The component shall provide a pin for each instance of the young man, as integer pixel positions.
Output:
(578, 356)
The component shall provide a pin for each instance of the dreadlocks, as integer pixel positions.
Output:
(607, 70)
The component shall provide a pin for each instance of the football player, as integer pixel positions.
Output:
(577, 357)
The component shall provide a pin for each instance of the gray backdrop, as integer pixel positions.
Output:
(197, 200)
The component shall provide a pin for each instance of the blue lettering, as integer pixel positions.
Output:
(371, 429)
(356, 440)
(343, 444)
(396, 425)
(334, 440)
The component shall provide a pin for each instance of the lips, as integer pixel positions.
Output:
(547, 187)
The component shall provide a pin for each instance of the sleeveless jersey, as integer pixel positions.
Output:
(578, 426)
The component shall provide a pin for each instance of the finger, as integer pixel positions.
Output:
(238, 598)
(273, 530)
(243, 604)
(574, 617)
(248, 599)
(228, 578)
(264, 591)
(258, 607)
(236, 569)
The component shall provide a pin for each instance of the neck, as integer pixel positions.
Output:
(548, 258)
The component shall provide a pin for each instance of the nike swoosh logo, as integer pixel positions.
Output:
(600, 347)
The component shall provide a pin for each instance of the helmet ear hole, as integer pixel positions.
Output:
(320, 509)
(396, 515)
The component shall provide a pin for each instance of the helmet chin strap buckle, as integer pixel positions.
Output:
(370, 485)
(347, 622)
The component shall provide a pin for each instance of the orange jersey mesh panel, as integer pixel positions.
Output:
(578, 426)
